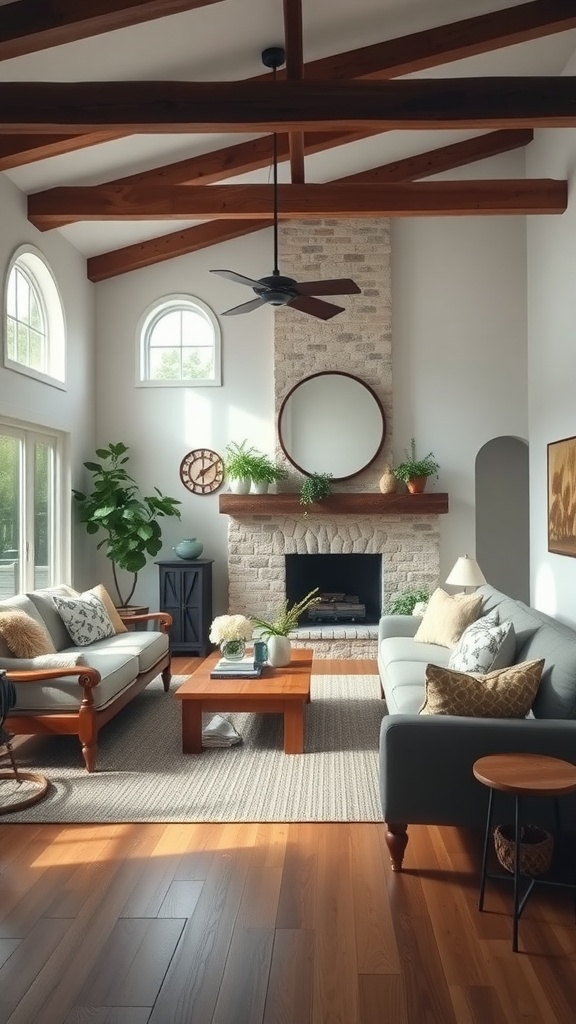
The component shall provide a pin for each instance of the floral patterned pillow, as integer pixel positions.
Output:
(85, 618)
(485, 645)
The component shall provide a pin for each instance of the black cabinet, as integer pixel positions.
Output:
(186, 592)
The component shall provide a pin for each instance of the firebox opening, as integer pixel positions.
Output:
(350, 587)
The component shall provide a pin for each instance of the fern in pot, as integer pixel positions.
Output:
(265, 472)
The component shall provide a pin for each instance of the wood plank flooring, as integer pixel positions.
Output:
(270, 924)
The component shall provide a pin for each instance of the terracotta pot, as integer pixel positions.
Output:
(417, 484)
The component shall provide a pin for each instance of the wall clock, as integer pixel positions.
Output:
(202, 471)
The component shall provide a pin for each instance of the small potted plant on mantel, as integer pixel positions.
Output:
(414, 472)
(249, 469)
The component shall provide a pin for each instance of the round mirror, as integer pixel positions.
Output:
(331, 422)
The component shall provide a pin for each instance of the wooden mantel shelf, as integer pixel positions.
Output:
(358, 503)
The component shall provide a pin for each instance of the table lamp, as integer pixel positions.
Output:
(466, 573)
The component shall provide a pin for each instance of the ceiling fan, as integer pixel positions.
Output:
(277, 290)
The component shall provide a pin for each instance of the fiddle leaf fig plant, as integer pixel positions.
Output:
(128, 518)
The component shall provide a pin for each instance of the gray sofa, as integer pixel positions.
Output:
(80, 699)
(426, 760)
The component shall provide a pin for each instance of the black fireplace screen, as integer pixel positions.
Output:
(350, 587)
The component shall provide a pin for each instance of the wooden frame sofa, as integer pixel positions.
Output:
(87, 685)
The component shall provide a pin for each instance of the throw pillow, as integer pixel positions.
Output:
(446, 617)
(506, 693)
(85, 618)
(100, 591)
(24, 636)
(484, 646)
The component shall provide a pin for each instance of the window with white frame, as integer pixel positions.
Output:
(179, 344)
(34, 334)
(34, 509)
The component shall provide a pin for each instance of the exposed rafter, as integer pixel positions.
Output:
(294, 72)
(438, 198)
(18, 150)
(29, 26)
(157, 107)
(179, 243)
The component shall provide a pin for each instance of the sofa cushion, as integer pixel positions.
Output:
(59, 660)
(485, 645)
(146, 647)
(23, 635)
(118, 671)
(85, 618)
(506, 693)
(44, 608)
(446, 617)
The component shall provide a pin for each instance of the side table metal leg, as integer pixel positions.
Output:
(485, 852)
(516, 874)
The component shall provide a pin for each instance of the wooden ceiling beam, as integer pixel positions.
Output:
(446, 43)
(29, 26)
(157, 107)
(537, 195)
(179, 243)
(294, 72)
(18, 150)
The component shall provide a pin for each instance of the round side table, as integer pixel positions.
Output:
(521, 775)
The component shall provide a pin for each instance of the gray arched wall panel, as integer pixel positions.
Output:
(503, 515)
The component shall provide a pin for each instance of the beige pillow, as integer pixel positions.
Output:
(446, 617)
(505, 693)
(100, 591)
(24, 637)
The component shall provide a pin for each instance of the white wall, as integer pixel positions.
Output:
(72, 411)
(161, 425)
(552, 359)
(459, 344)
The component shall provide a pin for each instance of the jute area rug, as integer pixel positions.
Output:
(142, 774)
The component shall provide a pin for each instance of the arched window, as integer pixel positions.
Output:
(34, 341)
(179, 344)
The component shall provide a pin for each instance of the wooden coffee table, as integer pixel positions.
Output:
(278, 690)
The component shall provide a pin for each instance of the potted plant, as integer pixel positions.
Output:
(239, 462)
(277, 631)
(265, 472)
(128, 518)
(315, 487)
(404, 603)
(414, 472)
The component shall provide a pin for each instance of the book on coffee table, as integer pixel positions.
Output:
(244, 668)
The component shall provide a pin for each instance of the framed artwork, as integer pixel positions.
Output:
(562, 497)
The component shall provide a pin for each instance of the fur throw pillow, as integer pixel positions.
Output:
(24, 636)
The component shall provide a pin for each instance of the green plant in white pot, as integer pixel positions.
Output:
(265, 472)
(239, 461)
(277, 631)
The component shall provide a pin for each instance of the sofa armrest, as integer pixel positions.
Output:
(397, 625)
(88, 678)
(164, 619)
(426, 763)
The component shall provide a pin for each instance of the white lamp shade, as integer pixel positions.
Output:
(466, 573)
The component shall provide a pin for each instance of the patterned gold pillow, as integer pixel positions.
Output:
(446, 617)
(505, 693)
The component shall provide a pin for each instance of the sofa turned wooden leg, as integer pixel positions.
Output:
(396, 841)
(166, 679)
(89, 755)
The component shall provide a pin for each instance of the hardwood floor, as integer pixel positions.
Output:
(270, 924)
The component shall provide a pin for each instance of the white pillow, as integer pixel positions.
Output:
(85, 618)
(446, 617)
(485, 645)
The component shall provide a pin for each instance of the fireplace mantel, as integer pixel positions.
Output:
(346, 503)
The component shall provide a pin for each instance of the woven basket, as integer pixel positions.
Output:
(536, 848)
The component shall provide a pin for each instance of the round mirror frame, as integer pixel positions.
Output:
(371, 393)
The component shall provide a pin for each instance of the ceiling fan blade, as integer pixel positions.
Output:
(239, 278)
(340, 286)
(246, 307)
(316, 307)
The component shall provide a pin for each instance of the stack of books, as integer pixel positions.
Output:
(241, 669)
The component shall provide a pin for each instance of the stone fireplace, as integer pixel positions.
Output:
(356, 519)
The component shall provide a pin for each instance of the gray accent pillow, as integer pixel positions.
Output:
(485, 645)
(85, 618)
